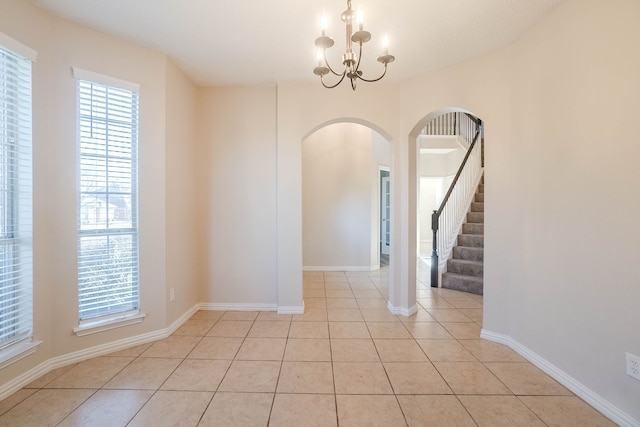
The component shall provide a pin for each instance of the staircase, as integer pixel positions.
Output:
(465, 269)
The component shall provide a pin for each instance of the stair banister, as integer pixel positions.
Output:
(435, 216)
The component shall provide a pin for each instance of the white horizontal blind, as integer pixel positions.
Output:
(107, 200)
(16, 259)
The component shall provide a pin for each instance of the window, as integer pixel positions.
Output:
(16, 276)
(108, 287)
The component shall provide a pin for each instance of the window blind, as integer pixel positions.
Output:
(108, 281)
(16, 260)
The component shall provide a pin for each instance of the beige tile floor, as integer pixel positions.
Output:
(345, 362)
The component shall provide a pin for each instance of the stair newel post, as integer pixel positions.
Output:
(481, 126)
(434, 254)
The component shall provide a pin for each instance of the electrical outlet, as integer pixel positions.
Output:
(633, 366)
(172, 294)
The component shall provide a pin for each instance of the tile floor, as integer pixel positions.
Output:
(345, 362)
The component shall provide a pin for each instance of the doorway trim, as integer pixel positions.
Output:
(381, 216)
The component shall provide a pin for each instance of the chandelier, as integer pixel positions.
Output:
(350, 60)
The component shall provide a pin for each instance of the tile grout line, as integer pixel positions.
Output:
(275, 390)
(172, 372)
(333, 372)
(225, 372)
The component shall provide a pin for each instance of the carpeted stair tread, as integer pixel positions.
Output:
(466, 267)
(471, 254)
(476, 217)
(461, 282)
(472, 228)
(477, 207)
(471, 240)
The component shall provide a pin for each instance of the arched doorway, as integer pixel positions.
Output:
(449, 166)
(342, 203)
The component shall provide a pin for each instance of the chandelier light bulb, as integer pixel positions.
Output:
(323, 23)
(360, 19)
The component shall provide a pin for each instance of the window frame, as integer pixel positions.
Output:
(17, 216)
(105, 321)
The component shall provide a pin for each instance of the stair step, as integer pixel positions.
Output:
(463, 266)
(472, 228)
(471, 254)
(462, 283)
(475, 217)
(471, 240)
(477, 207)
(465, 270)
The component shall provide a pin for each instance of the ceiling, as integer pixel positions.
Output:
(232, 42)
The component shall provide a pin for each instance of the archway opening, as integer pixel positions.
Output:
(449, 166)
(345, 213)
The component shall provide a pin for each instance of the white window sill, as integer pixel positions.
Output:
(93, 327)
(17, 352)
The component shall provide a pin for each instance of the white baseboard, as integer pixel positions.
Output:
(402, 311)
(238, 307)
(585, 393)
(340, 268)
(15, 384)
(180, 320)
(48, 365)
(291, 309)
(282, 309)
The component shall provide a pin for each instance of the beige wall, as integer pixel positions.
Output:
(559, 106)
(237, 192)
(182, 266)
(573, 293)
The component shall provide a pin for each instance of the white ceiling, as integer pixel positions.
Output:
(228, 42)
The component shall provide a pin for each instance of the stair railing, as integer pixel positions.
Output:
(443, 125)
(447, 220)
(452, 124)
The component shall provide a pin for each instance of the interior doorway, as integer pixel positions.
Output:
(385, 216)
(341, 188)
(450, 151)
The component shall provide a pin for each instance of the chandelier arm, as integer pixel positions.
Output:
(339, 81)
(331, 69)
(375, 80)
